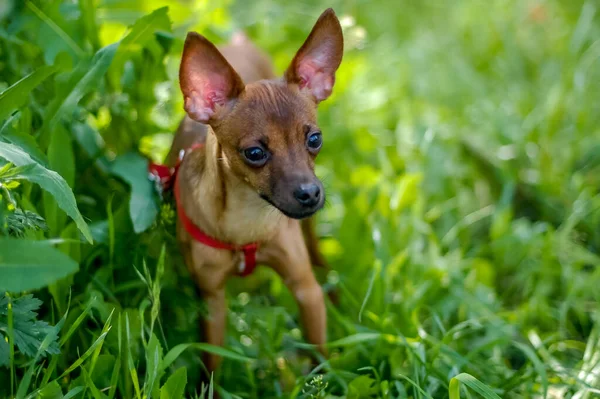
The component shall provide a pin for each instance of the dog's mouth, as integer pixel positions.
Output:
(294, 213)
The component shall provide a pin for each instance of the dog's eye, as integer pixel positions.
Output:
(255, 156)
(314, 141)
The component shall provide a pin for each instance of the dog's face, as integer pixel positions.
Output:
(267, 130)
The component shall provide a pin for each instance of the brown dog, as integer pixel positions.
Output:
(253, 178)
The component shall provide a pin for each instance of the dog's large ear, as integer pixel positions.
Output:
(313, 68)
(209, 84)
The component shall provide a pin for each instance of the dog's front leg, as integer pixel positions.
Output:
(213, 325)
(210, 279)
(309, 296)
(289, 257)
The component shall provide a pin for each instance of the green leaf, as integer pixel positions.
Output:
(17, 95)
(20, 222)
(73, 392)
(82, 80)
(28, 265)
(175, 385)
(88, 15)
(28, 144)
(96, 394)
(130, 366)
(472, 383)
(362, 387)
(50, 181)
(416, 386)
(91, 350)
(356, 339)
(537, 364)
(28, 332)
(51, 391)
(143, 207)
(117, 368)
(144, 28)
(141, 33)
(217, 350)
(49, 339)
(154, 353)
(75, 325)
(4, 351)
(51, 37)
(61, 160)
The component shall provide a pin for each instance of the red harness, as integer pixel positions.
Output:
(169, 178)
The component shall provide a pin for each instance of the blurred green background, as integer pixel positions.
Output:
(462, 166)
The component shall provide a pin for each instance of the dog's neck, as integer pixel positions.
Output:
(221, 204)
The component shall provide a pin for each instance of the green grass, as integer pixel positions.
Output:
(462, 167)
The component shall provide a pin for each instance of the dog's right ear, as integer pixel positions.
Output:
(208, 83)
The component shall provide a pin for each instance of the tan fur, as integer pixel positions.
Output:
(222, 194)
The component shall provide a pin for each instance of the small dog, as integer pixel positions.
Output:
(244, 160)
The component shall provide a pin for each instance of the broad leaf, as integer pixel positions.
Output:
(143, 207)
(4, 351)
(49, 181)
(362, 387)
(141, 33)
(174, 388)
(27, 143)
(62, 160)
(17, 95)
(28, 331)
(144, 28)
(28, 265)
(51, 391)
(83, 79)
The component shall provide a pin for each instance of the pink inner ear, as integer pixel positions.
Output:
(201, 102)
(314, 77)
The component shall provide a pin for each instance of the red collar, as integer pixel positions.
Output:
(168, 177)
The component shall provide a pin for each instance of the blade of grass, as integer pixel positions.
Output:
(63, 35)
(50, 337)
(105, 330)
(454, 389)
(174, 353)
(73, 392)
(153, 360)
(90, 384)
(114, 379)
(475, 385)
(130, 365)
(91, 350)
(17, 95)
(537, 363)
(416, 386)
(77, 322)
(11, 344)
(376, 272)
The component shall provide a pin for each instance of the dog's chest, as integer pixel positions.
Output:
(249, 218)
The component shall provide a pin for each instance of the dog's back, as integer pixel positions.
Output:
(250, 63)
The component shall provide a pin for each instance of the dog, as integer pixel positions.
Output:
(244, 158)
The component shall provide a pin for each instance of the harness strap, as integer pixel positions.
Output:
(169, 178)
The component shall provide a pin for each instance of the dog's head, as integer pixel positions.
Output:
(267, 130)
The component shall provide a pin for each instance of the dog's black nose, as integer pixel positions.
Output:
(308, 194)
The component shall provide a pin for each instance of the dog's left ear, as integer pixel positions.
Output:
(313, 68)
